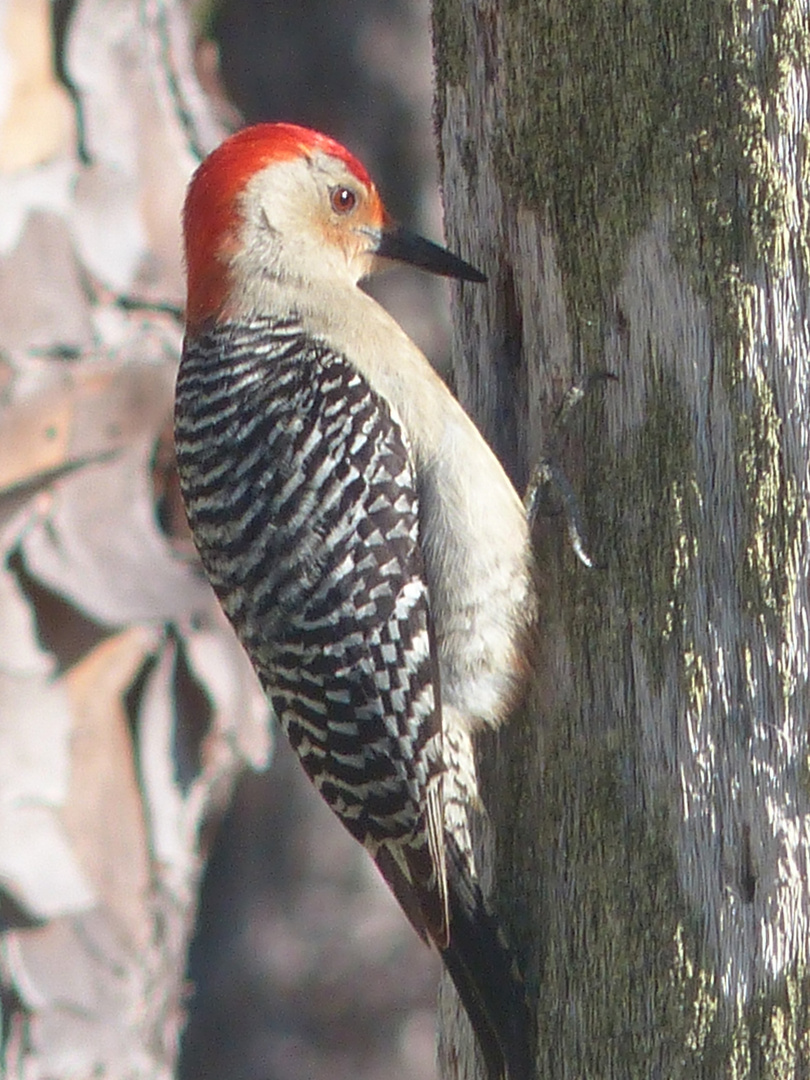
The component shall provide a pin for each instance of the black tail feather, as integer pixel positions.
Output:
(482, 967)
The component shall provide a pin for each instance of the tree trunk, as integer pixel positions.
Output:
(126, 706)
(634, 180)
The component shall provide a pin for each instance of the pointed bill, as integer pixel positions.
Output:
(404, 246)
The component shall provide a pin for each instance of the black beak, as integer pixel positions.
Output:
(407, 247)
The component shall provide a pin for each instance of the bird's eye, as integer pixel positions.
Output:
(343, 200)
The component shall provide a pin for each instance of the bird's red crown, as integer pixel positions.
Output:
(211, 217)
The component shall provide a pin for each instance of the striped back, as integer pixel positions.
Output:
(301, 497)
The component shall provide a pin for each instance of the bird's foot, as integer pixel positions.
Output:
(548, 475)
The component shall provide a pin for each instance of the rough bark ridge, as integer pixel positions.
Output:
(126, 707)
(635, 182)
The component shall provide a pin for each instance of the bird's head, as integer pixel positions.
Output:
(280, 202)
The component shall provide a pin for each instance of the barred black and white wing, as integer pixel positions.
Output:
(301, 496)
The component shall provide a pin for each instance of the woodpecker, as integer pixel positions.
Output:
(359, 533)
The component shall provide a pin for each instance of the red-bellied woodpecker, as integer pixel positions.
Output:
(362, 538)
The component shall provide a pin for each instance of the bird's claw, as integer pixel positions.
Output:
(547, 473)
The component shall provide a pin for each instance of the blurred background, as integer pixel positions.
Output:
(303, 967)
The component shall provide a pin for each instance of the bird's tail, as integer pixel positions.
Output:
(478, 960)
(484, 972)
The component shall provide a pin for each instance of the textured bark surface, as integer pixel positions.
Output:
(635, 182)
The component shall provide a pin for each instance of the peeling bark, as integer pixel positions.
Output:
(126, 706)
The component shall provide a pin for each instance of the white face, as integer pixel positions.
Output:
(306, 220)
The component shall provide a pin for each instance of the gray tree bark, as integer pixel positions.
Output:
(634, 179)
